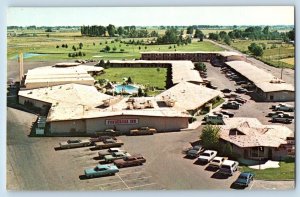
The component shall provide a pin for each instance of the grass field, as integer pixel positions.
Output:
(40, 43)
(271, 55)
(145, 76)
(286, 171)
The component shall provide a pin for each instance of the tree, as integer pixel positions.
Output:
(120, 31)
(158, 69)
(111, 30)
(255, 49)
(107, 48)
(129, 80)
(200, 66)
(80, 45)
(101, 63)
(190, 30)
(199, 34)
(266, 30)
(227, 40)
(107, 65)
(74, 48)
(140, 92)
(222, 34)
(227, 149)
(48, 29)
(210, 136)
(291, 34)
(57, 46)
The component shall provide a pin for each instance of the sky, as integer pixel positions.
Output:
(151, 16)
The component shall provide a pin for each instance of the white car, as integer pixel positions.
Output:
(228, 167)
(207, 156)
(217, 162)
(75, 143)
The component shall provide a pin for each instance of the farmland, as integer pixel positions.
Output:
(50, 45)
(276, 53)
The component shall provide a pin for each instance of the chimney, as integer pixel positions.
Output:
(21, 67)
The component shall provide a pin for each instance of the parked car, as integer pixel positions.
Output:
(101, 170)
(211, 86)
(228, 167)
(214, 119)
(284, 107)
(220, 114)
(109, 143)
(142, 131)
(115, 155)
(108, 132)
(194, 151)
(109, 151)
(240, 100)
(207, 156)
(271, 114)
(228, 113)
(231, 105)
(244, 179)
(226, 90)
(74, 143)
(241, 90)
(232, 95)
(217, 162)
(241, 82)
(101, 139)
(284, 115)
(133, 160)
(280, 118)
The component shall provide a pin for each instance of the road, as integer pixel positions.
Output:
(288, 75)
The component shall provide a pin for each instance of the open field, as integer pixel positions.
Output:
(38, 42)
(145, 76)
(273, 54)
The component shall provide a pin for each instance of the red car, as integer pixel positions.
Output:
(133, 160)
(101, 139)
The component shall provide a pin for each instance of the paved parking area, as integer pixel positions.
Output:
(250, 109)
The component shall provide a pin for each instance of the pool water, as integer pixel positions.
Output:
(126, 88)
(29, 55)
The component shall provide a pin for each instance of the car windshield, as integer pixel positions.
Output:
(206, 154)
(226, 167)
(216, 161)
(73, 141)
(99, 169)
(243, 176)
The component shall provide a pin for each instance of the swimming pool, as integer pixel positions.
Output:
(29, 55)
(126, 88)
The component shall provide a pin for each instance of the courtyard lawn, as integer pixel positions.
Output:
(39, 42)
(149, 77)
(285, 172)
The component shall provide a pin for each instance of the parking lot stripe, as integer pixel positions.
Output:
(142, 185)
(123, 182)
(132, 172)
(251, 185)
(99, 185)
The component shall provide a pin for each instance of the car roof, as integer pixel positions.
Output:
(209, 151)
(218, 158)
(228, 162)
(102, 166)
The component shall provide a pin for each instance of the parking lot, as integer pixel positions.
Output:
(250, 109)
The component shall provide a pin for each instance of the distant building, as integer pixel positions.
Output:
(60, 74)
(268, 87)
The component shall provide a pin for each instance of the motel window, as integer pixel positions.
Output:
(271, 97)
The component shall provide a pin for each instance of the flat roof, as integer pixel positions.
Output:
(222, 53)
(182, 70)
(249, 132)
(50, 74)
(189, 96)
(75, 101)
(259, 77)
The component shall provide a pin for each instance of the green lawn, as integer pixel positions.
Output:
(272, 56)
(149, 77)
(40, 43)
(286, 171)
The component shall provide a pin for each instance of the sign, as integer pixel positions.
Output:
(121, 121)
